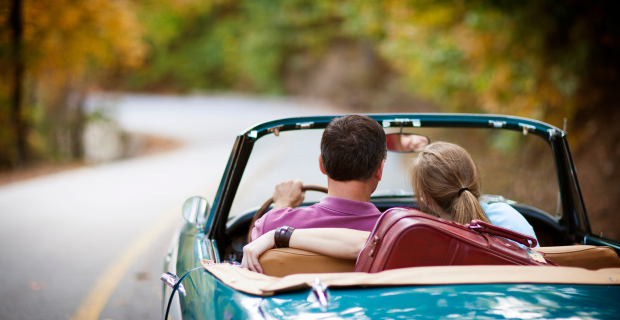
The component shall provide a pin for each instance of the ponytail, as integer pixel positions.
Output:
(446, 173)
(466, 208)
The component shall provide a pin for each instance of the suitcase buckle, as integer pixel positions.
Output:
(374, 242)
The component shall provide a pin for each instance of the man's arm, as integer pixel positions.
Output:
(288, 194)
(333, 242)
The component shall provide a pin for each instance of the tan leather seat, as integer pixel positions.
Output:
(281, 262)
(583, 256)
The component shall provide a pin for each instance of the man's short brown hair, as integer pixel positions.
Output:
(352, 148)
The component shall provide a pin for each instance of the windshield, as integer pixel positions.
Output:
(516, 166)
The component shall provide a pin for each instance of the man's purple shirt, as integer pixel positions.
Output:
(331, 212)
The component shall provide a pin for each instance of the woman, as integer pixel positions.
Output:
(446, 183)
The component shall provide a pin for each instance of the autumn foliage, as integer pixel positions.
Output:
(547, 60)
(66, 47)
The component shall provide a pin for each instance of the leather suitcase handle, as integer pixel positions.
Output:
(486, 227)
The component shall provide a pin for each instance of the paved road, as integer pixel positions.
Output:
(91, 241)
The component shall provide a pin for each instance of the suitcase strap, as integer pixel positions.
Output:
(481, 226)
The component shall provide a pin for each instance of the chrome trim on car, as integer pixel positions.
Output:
(171, 280)
(527, 128)
(304, 125)
(400, 122)
(319, 294)
(275, 130)
(214, 255)
(497, 124)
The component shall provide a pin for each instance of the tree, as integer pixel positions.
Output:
(64, 48)
(16, 23)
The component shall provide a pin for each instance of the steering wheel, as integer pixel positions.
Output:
(268, 203)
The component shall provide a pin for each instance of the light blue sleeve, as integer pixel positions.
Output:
(505, 216)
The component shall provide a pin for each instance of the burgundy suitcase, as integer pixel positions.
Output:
(410, 238)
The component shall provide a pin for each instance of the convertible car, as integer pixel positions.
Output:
(523, 162)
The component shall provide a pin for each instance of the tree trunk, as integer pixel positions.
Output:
(16, 22)
(77, 127)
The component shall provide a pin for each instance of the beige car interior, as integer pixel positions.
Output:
(582, 256)
(282, 262)
(264, 285)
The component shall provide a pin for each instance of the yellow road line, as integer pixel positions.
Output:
(91, 306)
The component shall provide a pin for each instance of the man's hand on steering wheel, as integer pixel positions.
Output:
(291, 194)
(288, 194)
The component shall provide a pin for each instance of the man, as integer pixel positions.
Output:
(353, 151)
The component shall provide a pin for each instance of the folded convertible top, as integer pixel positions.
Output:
(262, 285)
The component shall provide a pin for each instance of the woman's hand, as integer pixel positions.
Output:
(253, 250)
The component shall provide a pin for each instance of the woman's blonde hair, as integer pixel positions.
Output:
(446, 173)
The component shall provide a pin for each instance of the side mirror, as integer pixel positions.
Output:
(195, 210)
(406, 142)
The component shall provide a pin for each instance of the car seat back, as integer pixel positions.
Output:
(583, 256)
(280, 262)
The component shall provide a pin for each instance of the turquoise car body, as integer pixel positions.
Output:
(495, 301)
(209, 298)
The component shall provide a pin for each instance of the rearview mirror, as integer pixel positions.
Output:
(406, 142)
(195, 210)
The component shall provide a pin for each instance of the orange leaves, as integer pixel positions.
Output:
(71, 38)
(67, 46)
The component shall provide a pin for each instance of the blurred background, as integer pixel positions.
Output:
(554, 61)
